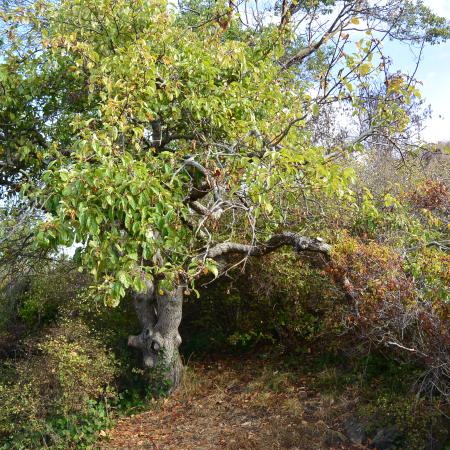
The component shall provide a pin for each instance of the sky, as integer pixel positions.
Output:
(434, 73)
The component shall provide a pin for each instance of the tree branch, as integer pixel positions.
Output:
(297, 242)
(338, 24)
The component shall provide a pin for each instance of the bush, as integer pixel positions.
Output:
(396, 310)
(281, 299)
(67, 376)
(34, 301)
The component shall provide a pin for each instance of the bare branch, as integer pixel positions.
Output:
(299, 244)
(337, 25)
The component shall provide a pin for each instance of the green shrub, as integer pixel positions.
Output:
(36, 300)
(65, 382)
(81, 367)
(280, 299)
(20, 408)
(422, 422)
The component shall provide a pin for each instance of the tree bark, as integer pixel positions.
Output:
(159, 313)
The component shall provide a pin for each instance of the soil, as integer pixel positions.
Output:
(238, 405)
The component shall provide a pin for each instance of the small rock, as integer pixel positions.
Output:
(333, 437)
(385, 438)
(302, 395)
(355, 430)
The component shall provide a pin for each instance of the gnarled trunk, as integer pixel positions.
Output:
(160, 316)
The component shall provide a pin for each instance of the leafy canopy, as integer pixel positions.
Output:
(150, 137)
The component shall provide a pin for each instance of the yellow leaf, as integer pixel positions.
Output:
(354, 21)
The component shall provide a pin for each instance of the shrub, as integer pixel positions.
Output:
(81, 367)
(33, 301)
(281, 299)
(65, 374)
(430, 194)
(394, 309)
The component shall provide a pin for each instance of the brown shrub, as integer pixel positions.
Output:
(391, 308)
(430, 194)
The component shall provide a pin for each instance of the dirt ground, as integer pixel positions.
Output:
(237, 406)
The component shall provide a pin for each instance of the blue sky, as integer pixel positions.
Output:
(434, 73)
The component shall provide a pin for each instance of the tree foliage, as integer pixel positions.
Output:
(153, 131)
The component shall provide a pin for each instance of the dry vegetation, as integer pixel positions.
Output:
(238, 405)
(256, 403)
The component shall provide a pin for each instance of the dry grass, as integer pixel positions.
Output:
(222, 406)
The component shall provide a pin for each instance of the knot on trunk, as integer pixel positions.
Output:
(135, 341)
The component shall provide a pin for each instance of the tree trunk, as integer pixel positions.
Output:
(160, 317)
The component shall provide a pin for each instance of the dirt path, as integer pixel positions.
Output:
(226, 405)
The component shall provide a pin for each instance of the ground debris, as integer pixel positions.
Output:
(234, 408)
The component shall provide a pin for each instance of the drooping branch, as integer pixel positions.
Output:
(297, 242)
(199, 208)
